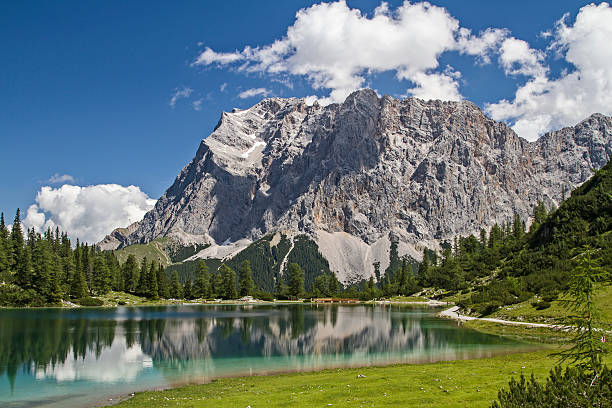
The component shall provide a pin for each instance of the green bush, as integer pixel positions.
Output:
(264, 296)
(12, 295)
(89, 301)
(573, 388)
(541, 304)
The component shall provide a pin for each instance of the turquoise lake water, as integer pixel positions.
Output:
(83, 357)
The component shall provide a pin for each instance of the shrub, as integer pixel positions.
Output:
(89, 301)
(575, 387)
(264, 296)
(12, 295)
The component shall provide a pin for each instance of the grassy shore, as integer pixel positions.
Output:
(464, 383)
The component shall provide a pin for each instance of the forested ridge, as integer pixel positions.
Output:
(507, 264)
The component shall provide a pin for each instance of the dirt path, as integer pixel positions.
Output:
(453, 313)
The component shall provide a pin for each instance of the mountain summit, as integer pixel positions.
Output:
(358, 176)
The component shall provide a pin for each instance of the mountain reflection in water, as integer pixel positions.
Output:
(172, 344)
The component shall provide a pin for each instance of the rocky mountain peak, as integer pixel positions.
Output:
(359, 175)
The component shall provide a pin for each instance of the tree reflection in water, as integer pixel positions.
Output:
(192, 338)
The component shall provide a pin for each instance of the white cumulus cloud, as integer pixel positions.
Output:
(542, 104)
(87, 213)
(336, 47)
(253, 92)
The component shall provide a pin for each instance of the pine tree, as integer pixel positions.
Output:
(143, 281)
(187, 290)
(130, 274)
(176, 290)
(162, 283)
(229, 282)
(153, 285)
(423, 271)
(245, 283)
(296, 280)
(101, 275)
(588, 345)
(19, 258)
(78, 287)
(218, 284)
(5, 272)
(202, 283)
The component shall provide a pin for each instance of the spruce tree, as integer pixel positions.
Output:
(187, 290)
(143, 280)
(229, 282)
(5, 272)
(245, 283)
(296, 280)
(153, 285)
(130, 274)
(219, 289)
(78, 287)
(588, 345)
(19, 258)
(202, 283)
(176, 290)
(162, 283)
(101, 275)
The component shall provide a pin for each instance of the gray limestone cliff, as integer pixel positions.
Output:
(358, 175)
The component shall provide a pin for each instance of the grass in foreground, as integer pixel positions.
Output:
(466, 383)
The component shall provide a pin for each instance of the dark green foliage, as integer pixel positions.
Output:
(587, 279)
(295, 280)
(142, 288)
(573, 387)
(153, 286)
(306, 253)
(130, 274)
(163, 285)
(189, 269)
(201, 288)
(180, 253)
(187, 290)
(228, 282)
(176, 290)
(89, 301)
(246, 286)
(264, 261)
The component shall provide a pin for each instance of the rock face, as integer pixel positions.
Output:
(366, 173)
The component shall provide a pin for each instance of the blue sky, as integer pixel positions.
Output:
(87, 86)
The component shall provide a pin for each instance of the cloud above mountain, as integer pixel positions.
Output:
(89, 212)
(338, 49)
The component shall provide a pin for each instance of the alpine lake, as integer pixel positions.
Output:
(93, 356)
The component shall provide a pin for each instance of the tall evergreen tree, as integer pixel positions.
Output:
(296, 280)
(176, 290)
(5, 272)
(130, 274)
(19, 258)
(245, 283)
(202, 283)
(153, 285)
(78, 286)
(229, 282)
(162, 283)
(143, 280)
(188, 290)
(219, 288)
(101, 275)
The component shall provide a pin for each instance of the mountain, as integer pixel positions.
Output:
(366, 180)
